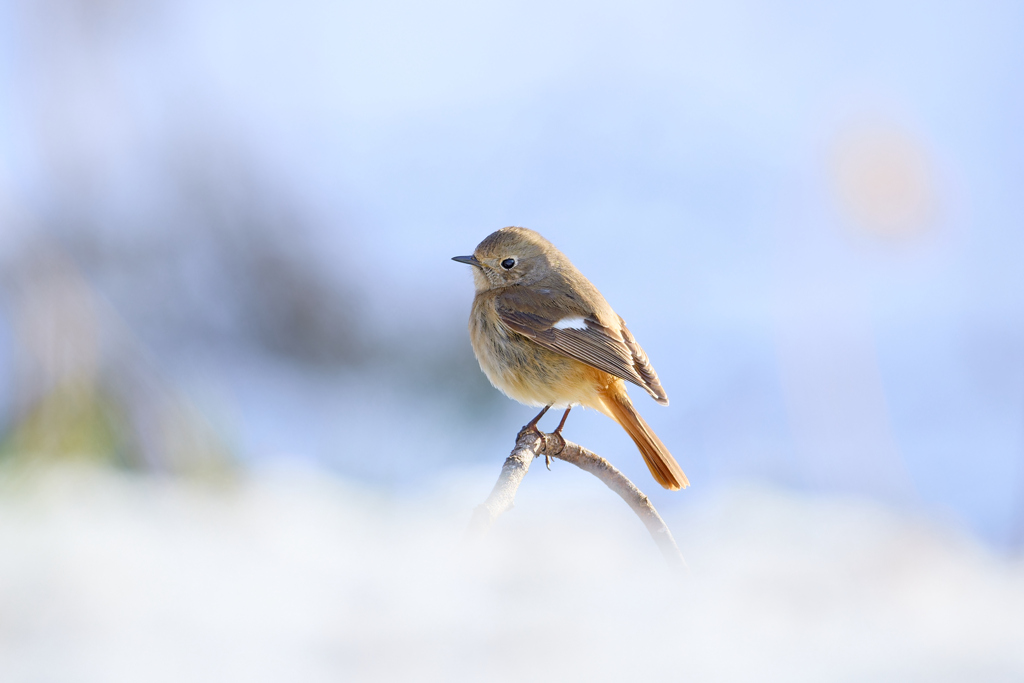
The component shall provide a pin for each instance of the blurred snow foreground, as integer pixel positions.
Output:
(293, 575)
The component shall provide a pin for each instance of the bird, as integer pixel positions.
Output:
(546, 337)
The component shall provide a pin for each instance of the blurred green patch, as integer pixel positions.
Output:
(80, 422)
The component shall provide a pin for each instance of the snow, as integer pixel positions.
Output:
(289, 574)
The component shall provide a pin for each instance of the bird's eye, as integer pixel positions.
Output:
(508, 263)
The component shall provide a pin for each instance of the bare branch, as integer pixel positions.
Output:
(528, 446)
(531, 444)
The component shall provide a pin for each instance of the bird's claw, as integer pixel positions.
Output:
(530, 428)
(557, 434)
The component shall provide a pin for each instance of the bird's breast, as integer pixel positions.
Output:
(526, 371)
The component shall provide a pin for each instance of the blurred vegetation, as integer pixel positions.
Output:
(104, 309)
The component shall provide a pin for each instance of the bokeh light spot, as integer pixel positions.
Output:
(884, 180)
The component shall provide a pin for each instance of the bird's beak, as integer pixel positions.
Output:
(471, 260)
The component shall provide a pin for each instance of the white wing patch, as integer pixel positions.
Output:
(570, 324)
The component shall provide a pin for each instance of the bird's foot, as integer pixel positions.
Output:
(530, 429)
(559, 442)
(531, 426)
(554, 444)
(558, 430)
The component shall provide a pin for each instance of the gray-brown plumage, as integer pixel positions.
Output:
(545, 336)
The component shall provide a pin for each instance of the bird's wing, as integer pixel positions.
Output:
(561, 327)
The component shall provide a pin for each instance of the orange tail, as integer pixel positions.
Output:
(615, 404)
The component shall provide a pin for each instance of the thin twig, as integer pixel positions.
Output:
(529, 445)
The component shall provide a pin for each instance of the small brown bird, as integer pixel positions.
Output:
(546, 337)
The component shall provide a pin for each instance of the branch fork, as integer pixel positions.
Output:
(532, 443)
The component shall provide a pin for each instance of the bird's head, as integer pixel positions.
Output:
(511, 256)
